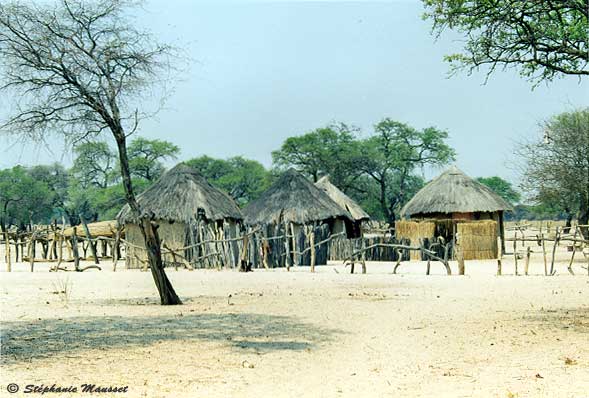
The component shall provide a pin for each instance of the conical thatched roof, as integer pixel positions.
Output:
(179, 194)
(342, 199)
(454, 192)
(293, 198)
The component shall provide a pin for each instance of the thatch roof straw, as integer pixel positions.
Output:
(454, 192)
(180, 195)
(293, 198)
(101, 228)
(342, 199)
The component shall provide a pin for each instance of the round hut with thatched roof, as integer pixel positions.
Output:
(294, 208)
(453, 204)
(358, 214)
(188, 211)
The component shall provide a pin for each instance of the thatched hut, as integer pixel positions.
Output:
(451, 199)
(189, 211)
(358, 214)
(294, 208)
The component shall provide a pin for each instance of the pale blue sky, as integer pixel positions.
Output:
(263, 71)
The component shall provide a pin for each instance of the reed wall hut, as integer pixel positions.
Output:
(358, 214)
(342, 247)
(452, 204)
(291, 209)
(192, 215)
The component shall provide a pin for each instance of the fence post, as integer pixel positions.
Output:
(75, 249)
(287, 247)
(515, 252)
(499, 256)
(8, 260)
(459, 254)
(527, 266)
(312, 243)
(32, 252)
(544, 254)
(570, 267)
(556, 241)
(363, 255)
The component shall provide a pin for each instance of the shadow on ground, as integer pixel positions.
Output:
(30, 341)
(574, 320)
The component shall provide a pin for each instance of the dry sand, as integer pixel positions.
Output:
(297, 334)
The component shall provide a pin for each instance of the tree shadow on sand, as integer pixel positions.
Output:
(572, 320)
(30, 341)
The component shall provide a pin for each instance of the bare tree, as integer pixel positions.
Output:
(556, 170)
(78, 66)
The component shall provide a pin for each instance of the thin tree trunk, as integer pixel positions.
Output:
(165, 289)
(167, 293)
(383, 200)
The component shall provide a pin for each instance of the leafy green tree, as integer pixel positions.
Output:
(23, 200)
(330, 150)
(243, 179)
(544, 39)
(94, 164)
(72, 200)
(58, 181)
(246, 180)
(146, 156)
(502, 188)
(367, 193)
(392, 156)
(210, 168)
(106, 203)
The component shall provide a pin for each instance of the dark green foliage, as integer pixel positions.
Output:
(379, 172)
(330, 150)
(243, 179)
(109, 201)
(94, 164)
(146, 156)
(23, 199)
(502, 188)
(393, 156)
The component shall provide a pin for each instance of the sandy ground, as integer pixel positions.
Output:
(297, 334)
